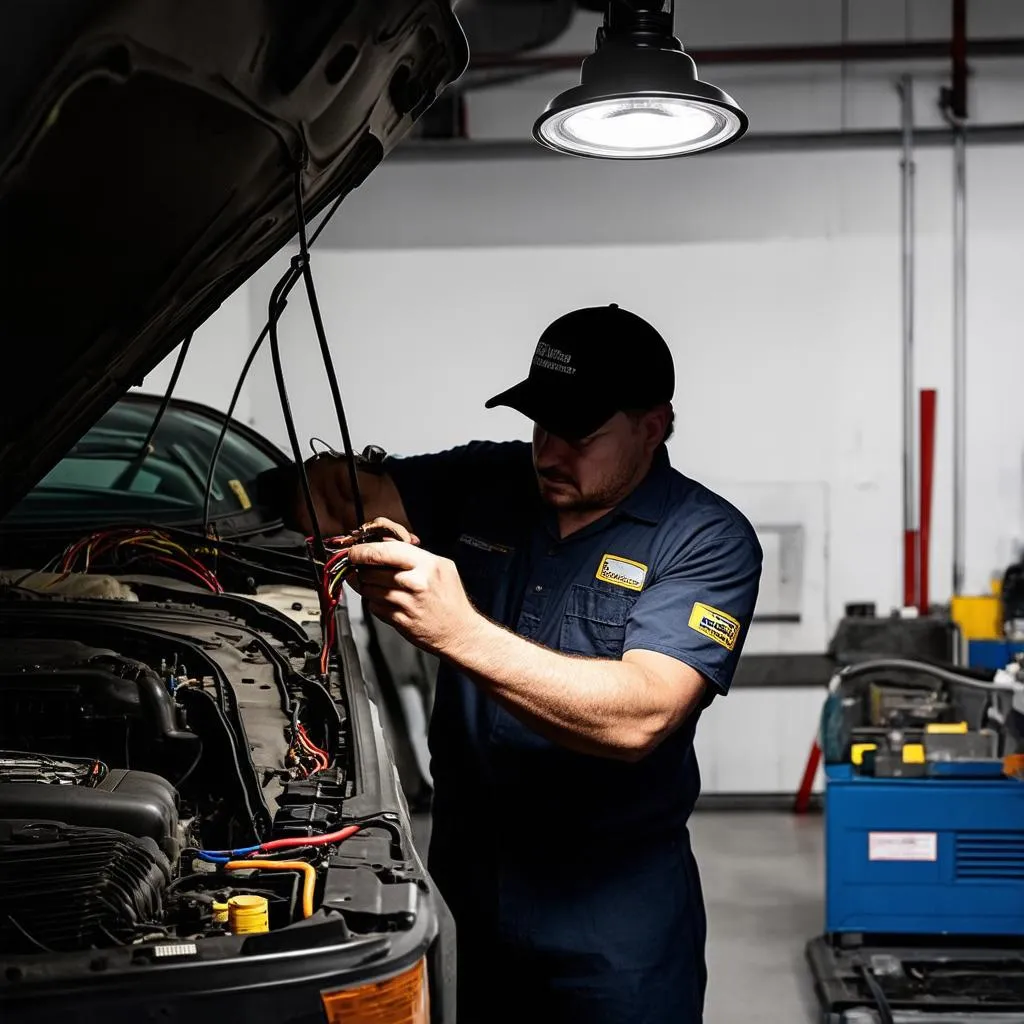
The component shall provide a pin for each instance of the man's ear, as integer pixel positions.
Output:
(655, 424)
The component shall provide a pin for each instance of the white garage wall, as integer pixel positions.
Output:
(786, 332)
(775, 278)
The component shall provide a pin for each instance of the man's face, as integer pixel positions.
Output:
(598, 471)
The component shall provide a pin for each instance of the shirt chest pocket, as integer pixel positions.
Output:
(594, 623)
(482, 572)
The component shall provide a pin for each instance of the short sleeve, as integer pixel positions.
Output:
(438, 489)
(699, 608)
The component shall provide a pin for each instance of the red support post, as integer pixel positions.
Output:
(803, 794)
(928, 406)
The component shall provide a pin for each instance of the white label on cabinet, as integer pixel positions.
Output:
(903, 846)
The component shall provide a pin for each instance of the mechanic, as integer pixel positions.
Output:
(587, 602)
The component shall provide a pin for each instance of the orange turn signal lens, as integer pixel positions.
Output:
(402, 999)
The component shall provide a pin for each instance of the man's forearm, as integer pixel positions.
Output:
(596, 706)
(619, 709)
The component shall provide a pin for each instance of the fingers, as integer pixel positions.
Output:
(386, 554)
(382, 593)
(396, 530)
(386, 577)
(386, 604)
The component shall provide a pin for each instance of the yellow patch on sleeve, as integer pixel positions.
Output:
(715, 625)
(622, 572)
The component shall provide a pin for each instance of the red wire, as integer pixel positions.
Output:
(335, 558)
(328, 601)
(103, 541)
(321, 755)
(292, 843)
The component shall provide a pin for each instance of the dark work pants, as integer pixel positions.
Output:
(557, 936)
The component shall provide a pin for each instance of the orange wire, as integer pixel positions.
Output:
(308, 884)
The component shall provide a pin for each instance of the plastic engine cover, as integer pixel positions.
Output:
(137, 803)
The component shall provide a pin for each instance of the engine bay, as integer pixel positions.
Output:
(175, 764)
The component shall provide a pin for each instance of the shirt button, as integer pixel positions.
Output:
(537, 589)
(552, 551)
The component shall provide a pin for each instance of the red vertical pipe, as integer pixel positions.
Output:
(928, 404)
(803, 794)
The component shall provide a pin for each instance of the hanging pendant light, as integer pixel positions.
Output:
(639, 97)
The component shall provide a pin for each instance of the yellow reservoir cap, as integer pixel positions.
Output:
(220, 912)
(913, 753)
(858, 750)
(248, 915)
(402, 999)
(947, 728)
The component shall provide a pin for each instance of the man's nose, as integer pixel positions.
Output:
(550, 447)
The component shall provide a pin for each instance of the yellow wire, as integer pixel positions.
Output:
(308, 871)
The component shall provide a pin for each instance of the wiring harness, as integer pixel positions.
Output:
(336, 568)
(256, 858)
(303, 756)
(123, 548)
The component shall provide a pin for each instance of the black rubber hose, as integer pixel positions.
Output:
(253, 352)
(882, 1004)
(328, 361)
(127, 477)
(215, 455)
(153, 695)
(946, 675)
(280, 293)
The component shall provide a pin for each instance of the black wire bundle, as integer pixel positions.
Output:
(283, 288)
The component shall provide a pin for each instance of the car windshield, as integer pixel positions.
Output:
(102, 480)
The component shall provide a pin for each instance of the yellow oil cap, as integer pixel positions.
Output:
(913, 753)
(220, 912)
(947, 728)
(858, 750)
(248, 915)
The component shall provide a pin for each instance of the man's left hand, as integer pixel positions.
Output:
(417, 592)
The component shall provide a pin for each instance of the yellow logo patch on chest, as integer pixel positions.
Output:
(715, 625)
(622, 572)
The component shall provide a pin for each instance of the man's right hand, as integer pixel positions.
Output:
(331, 488)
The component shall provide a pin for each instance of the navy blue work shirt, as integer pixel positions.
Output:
(673, 569)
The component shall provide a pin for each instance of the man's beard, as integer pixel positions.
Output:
(605, 494)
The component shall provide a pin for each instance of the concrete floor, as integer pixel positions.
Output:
(763, 885)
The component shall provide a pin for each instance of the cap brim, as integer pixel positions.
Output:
(553, 410)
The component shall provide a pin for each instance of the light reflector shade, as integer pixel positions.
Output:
(638, 126)
(639, 98)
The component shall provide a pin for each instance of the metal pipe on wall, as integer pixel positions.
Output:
(911, 584)
(959, 357)
(954, 102)
(881, 51)
(456, 150)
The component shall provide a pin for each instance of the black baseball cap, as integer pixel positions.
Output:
(589, 365)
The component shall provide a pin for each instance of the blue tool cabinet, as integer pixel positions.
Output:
(925, 856)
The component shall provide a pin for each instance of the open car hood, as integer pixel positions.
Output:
(148, 152)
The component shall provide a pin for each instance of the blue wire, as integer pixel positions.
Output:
(223, 856)
(212, 858)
